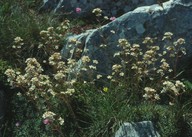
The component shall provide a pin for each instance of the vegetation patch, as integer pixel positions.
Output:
(144, 85)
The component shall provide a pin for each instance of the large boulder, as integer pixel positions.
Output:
(139, 129)
(109, 7)
(173, 16)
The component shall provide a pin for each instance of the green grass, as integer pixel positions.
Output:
(107, 111)
(21, 19)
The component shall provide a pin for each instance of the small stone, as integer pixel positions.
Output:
(138, 129)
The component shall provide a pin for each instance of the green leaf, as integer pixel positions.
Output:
(188, 84)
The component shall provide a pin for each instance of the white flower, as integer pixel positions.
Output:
(112, 31)
(59, 75)
(123, 43)
(116, 67)
(105, 17)
(150, 93)
(18, 39)
(69, 91)
(61, 121)
(10, 73)
(21, 79)
(56, 47)
(40, 46)
(49, 115)
(50, 29)
(32, 88)
(19, 94)
(116, 54)
(52, 92)
(109, 77)
(73, 40)
(121, 74)
(85, 59)
(92, 67)
(103, 45)
(99, 76)
(84, 69)
(157, 97)
(97, 12)
(167, 35)
(54, 58)
(179, 84)
(171, 104)
(95, 62)
(149, 90)
(13, 46)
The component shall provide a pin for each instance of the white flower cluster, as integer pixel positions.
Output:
(117, 69)
(54, 58)
(60, 68)
(150, 56)
(167, 35)
(151, 94)
(85, 59)
(135, 51)
(97, 12)
(33, 79)
(11, 75)
(59, 75)
(64, 26)
(52, 117)
(164, 68)
(49, 114)
(143, 64)
(148, 40)
(52, 36)
(18, 43)
(176, 48)
(69, 91)
(175, 88)
(33, 67)
(123, 43)
(61, 121)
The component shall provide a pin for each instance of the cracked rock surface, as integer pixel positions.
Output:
(109, 7)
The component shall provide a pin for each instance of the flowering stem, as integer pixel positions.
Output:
(58, 130)
(175, 66)
(72, 113)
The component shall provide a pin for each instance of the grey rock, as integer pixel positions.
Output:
(135, 1)
(139, 129)
(109, 7)
(49, 4)
(150, 2)
(175, 16)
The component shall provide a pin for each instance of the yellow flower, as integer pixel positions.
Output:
(105, 89)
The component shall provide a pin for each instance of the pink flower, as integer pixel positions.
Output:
(112, 18)
(78, 10)
(46, 121)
